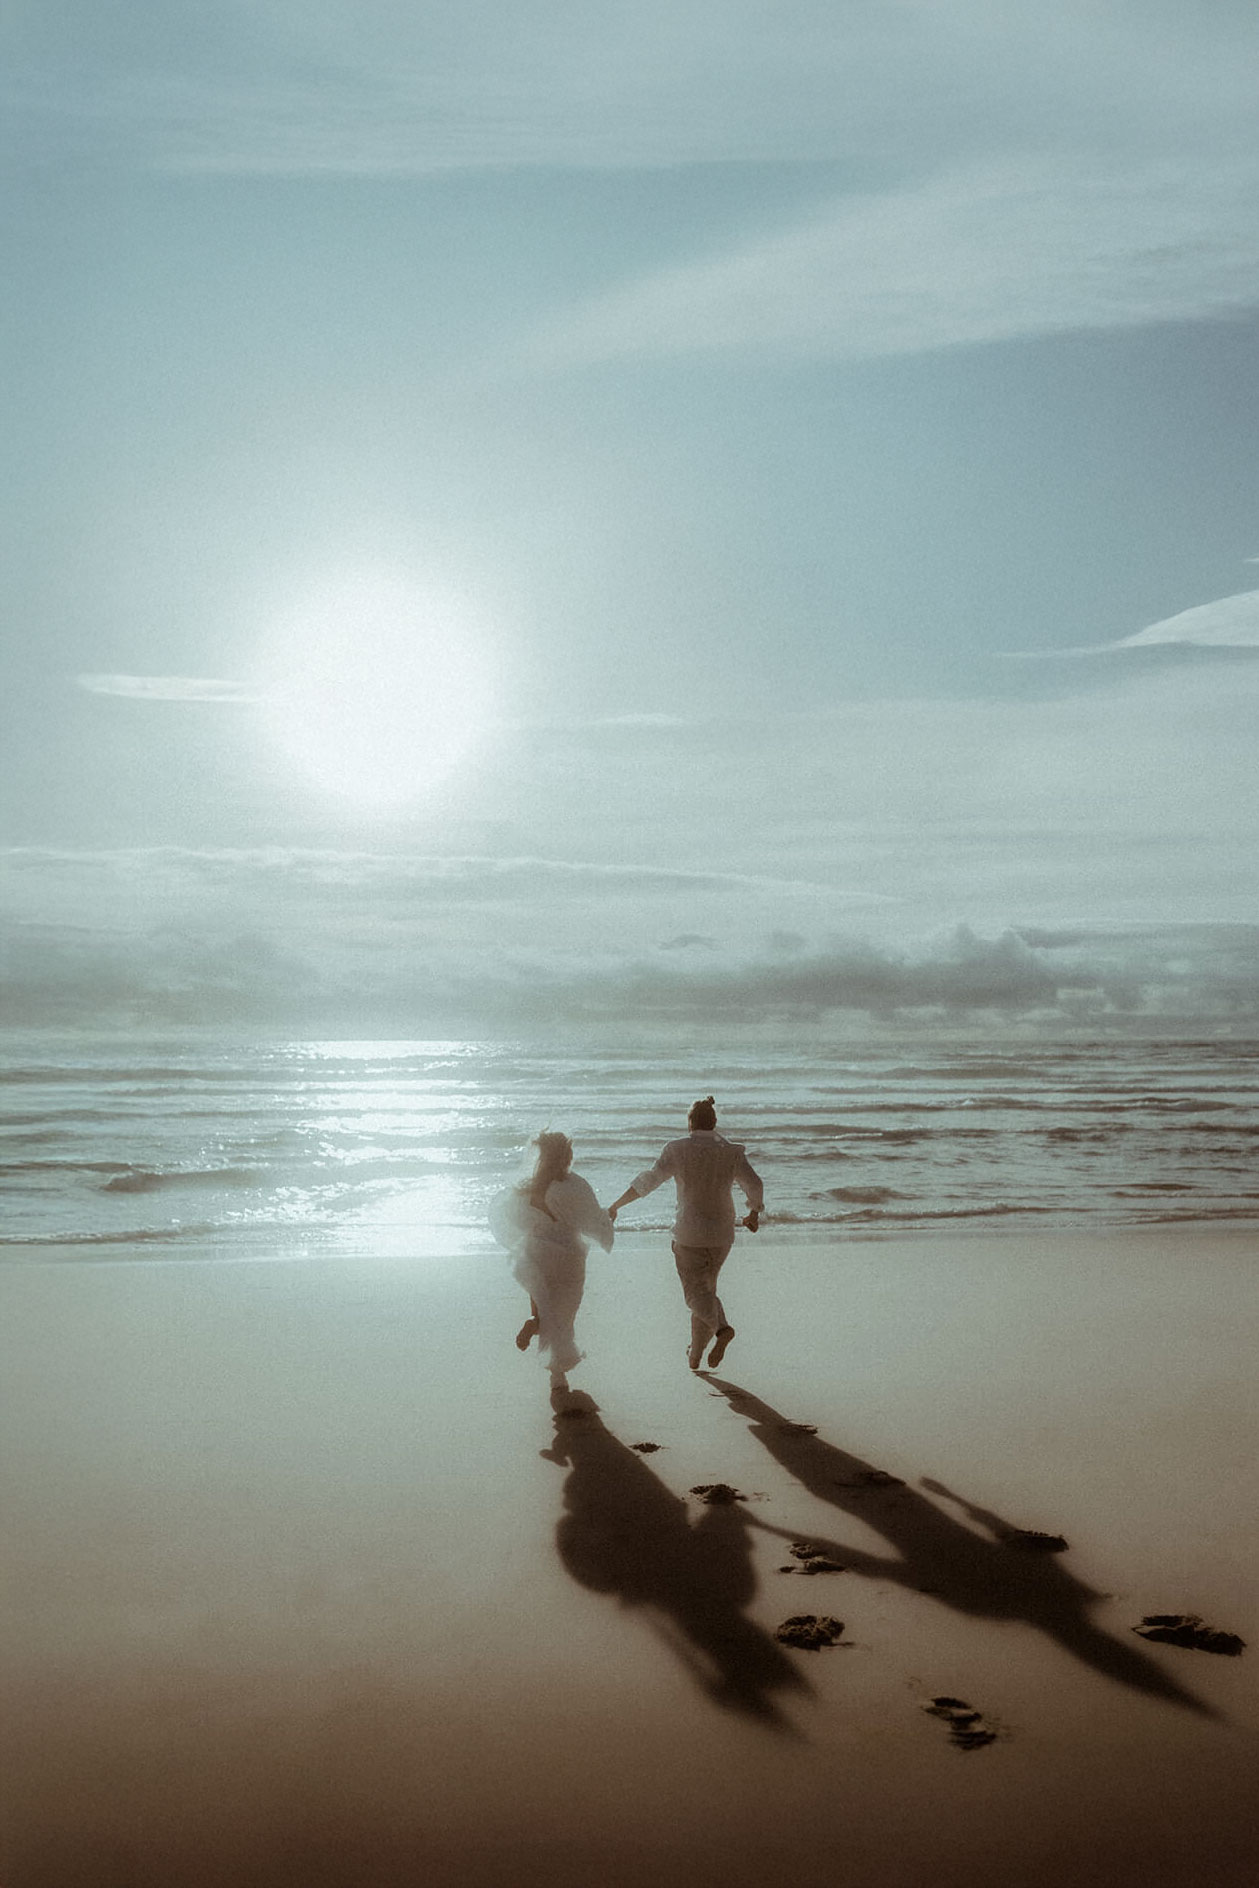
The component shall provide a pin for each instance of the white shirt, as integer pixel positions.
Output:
(705, 1168)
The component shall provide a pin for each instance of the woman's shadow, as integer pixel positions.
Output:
(625, 1534)
(997, 1575)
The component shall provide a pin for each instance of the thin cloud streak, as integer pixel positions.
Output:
(992, 253)
(207, 689)
(1227, 623)
(387, 88)
(331, 874)
(166, 688)
(391, 89)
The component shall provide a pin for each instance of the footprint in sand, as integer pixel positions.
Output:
(1188, 1629)
(717, 1494)
(812, 1560)
(967, 1730)
(810, 1631)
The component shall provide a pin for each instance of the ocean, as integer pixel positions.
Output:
(280, 1148)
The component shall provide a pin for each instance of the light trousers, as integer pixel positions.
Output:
(698, 1267)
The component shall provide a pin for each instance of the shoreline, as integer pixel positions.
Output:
(366, 1239)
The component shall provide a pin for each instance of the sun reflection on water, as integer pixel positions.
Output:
(439, 1217)
(409, 1126)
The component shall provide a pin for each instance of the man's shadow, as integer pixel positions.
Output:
(987, 1575)
(625, 1534)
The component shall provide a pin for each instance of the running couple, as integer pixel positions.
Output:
(546, 1221)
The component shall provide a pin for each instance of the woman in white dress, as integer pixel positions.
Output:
(545, 1223)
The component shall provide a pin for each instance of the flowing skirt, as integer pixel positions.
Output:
(554, 1275)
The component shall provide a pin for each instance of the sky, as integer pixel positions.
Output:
(549, 518)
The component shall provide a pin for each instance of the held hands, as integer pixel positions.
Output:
(751, 1221)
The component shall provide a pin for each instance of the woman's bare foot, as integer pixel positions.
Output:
(526, 1334)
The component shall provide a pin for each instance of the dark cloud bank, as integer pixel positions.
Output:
(63, 977)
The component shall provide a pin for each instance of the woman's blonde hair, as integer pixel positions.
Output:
(555, 1157)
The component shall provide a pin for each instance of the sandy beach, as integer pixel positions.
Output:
(308, 1583)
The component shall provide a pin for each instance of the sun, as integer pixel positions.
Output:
(375, 686)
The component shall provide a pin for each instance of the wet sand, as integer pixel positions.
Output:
(307, 1582)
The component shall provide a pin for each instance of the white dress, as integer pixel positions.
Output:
(549, 1256)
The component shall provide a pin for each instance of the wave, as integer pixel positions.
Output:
(872, 1215)
(114, 1109)
(1087, 1136)
(858, 1196)
(148, 1180)
(902, 1136)
(1217, 1127)
(951, 1104)
(1203, 1215)
(1153, 1186)
(59, 1072)
(44, 1121)
(124, 1177)
(135, 1235)
(261, 1072)
(978, 1071)
(62, 1166)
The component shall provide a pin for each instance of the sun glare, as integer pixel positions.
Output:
(375, 687)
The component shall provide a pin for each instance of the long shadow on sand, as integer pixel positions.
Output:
(987, 1576)
(625, 1534)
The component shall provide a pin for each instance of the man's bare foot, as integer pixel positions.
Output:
(526, 1334)
(695, 1354)
(720, 1343)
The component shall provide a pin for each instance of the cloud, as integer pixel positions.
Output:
(641, 721)
(59, 976)
(388, 87)
(991, 252)
(1227, 623)
(364, 908)
(965, 972)
(1203, 976)
(165, 688)
(336, 873)
(203, 688)
(295, 86)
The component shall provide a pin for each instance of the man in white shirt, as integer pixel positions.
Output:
(705, 1169)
